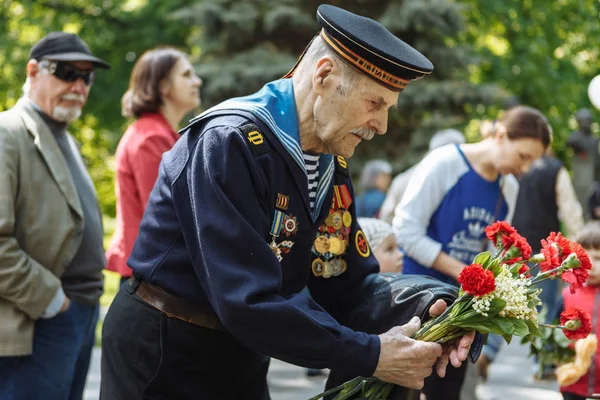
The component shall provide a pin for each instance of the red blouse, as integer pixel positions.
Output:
(137, 160)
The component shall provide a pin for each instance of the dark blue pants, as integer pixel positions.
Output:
(58, 367)
(148, 355)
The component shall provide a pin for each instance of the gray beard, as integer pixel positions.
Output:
(66, 114)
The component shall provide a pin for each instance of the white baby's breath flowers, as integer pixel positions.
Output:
(482, 304)
(514, 293)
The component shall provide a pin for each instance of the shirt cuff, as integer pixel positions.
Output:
(427, 250)
(358, 353)
(55, 304)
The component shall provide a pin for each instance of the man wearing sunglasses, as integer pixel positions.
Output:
(51, 252)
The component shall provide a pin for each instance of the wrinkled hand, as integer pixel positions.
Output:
(404, 361)
(455, 351)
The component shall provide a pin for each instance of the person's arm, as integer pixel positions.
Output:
(448, 265)
(145, 159)
(23, 281)
(569, 210)
(430, 182)
(394, 195)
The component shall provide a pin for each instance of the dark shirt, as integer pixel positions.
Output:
(82, 280)
(536, 212)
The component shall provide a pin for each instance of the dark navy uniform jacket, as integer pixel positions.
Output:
(205, 237)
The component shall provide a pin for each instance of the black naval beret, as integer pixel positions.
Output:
(370, 48)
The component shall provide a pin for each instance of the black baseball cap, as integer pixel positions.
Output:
(63, 46)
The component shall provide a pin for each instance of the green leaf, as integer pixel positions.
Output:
(521, 328)
(507, 338)
(496, 305)
(533, 330)
(482, 258)
(495, 267)
(505, 324)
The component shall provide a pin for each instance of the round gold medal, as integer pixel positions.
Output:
(318, 266)
(347, 218)
(335, 246)
(322, 244)
(336, 220)
(328, 270)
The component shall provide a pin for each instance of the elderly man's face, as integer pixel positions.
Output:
(60, 99)
(344, 120)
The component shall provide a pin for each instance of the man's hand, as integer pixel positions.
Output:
(404, 361)
(455, 351)
(65, 305)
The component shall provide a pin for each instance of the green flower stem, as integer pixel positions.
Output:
(350, 384)
(427, 326)
(451, 336)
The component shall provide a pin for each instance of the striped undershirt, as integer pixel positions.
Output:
(312, 170)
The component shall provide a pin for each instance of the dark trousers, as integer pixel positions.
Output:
(148, 355)
(571, 396)
(57, 369)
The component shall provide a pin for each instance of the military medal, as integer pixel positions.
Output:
(339, 266)
(276, 227)
(336, 220)
(328, 270)
(322, 244)
(334, 236)
(336, 246)
(290, 225)
(318, 266)
(347, 219)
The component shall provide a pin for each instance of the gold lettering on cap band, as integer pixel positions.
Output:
(391, 81)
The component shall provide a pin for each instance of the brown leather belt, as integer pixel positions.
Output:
(174, 306)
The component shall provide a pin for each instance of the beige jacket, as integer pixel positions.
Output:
(41, 224)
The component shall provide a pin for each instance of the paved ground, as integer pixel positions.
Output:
(510, 378)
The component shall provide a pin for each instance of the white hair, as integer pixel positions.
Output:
(317, 50)
(44, 68)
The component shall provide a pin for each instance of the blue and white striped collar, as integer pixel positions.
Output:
(275, 105)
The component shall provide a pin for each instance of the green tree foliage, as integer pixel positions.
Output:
(246, 43)
(117, 31)
(545, 52)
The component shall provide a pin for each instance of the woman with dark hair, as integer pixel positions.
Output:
(163, 88)
(454, 194)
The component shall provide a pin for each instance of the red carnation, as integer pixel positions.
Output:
(576, 322)
(582, 256)
(551, 254)
(517, 248)
(495, 231)
(564, 245)
(577, 276)
(524, 270)
(477, 281)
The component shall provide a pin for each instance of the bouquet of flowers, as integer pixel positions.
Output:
(498, 294)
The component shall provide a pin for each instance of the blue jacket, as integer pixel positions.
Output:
(207, 230)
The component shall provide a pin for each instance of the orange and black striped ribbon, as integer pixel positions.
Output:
(390, 81)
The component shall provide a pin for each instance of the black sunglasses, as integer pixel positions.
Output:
(68, 73)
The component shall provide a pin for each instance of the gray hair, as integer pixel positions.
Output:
(444, 137)
(317, 50)
(371, 171)
(44, 67)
